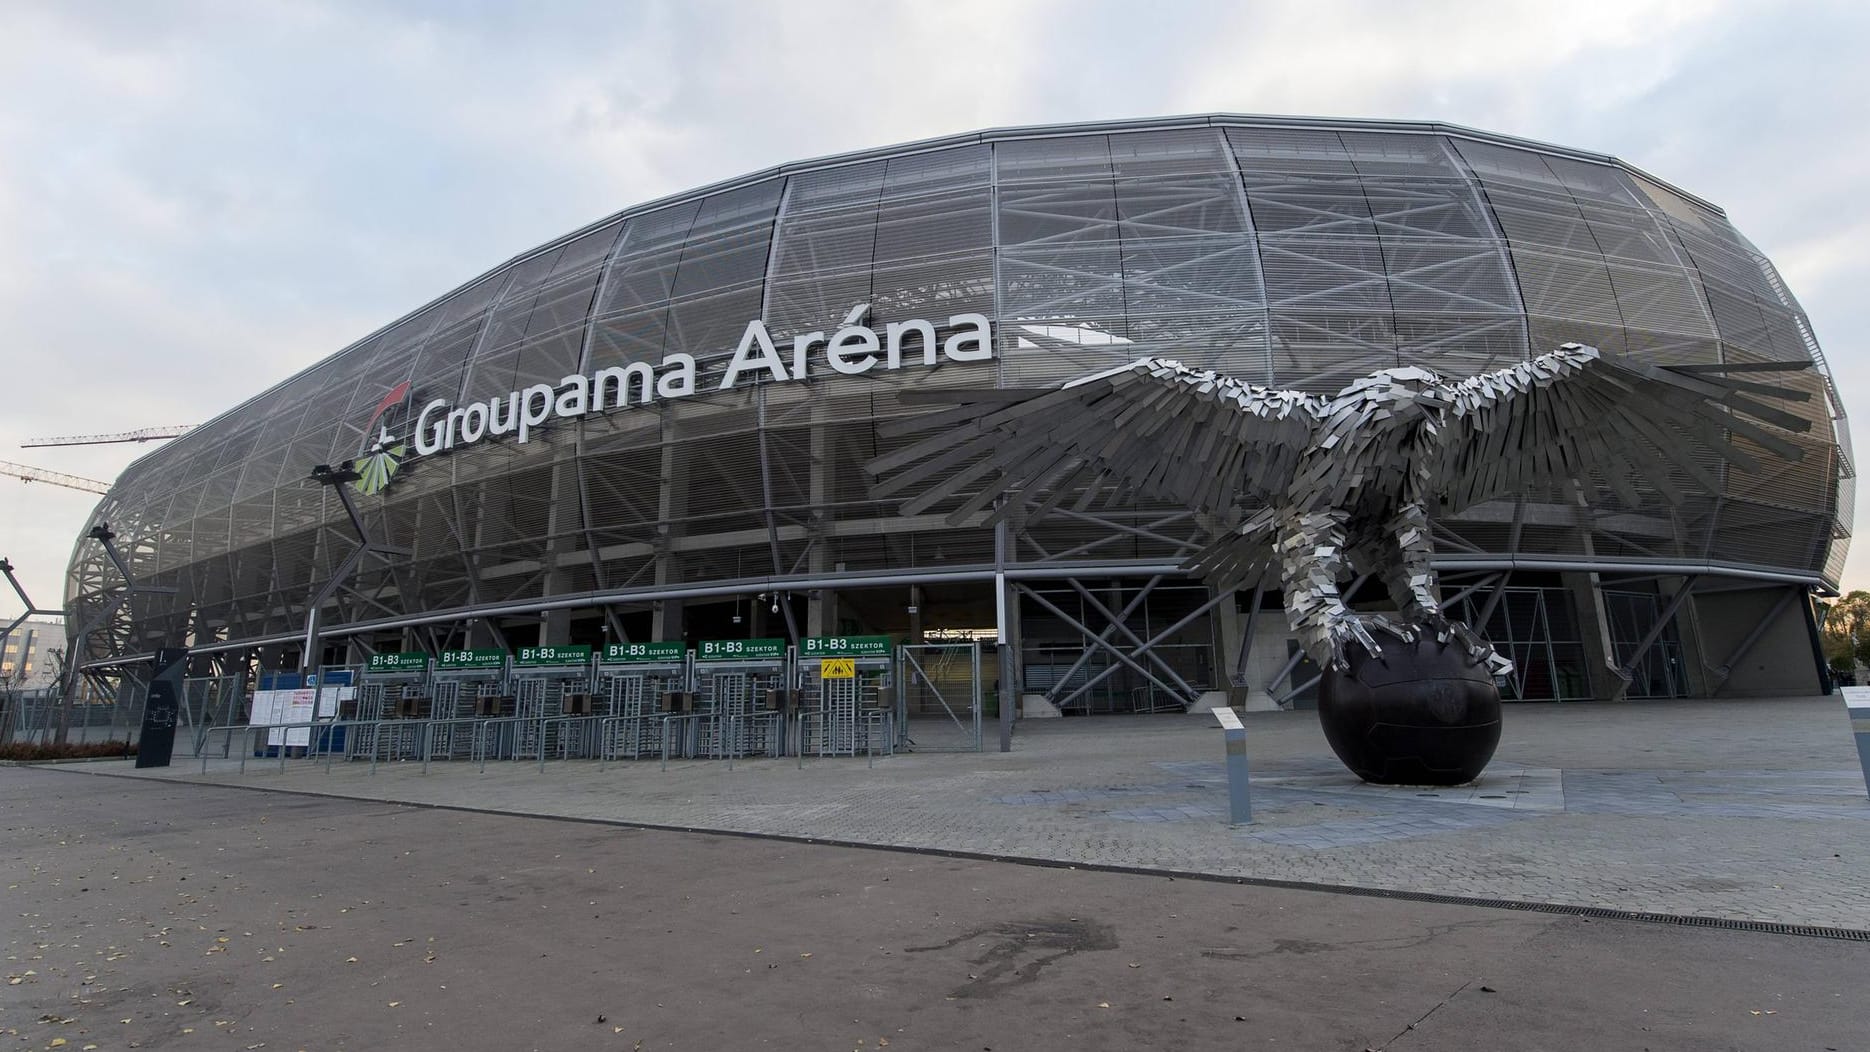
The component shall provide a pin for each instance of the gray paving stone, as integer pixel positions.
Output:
(1738, 809)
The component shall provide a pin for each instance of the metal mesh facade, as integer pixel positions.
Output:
(1294, 253)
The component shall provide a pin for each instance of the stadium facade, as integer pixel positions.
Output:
(657, 427)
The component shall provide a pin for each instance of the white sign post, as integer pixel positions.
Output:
(1857, 707)
(1239, 801)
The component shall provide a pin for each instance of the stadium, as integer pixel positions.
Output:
(657, 428)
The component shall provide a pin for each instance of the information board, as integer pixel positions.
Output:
(671, 652)
(741, 649)
(398, 662)
(452, 660)
(274, 707)
(845, 646)
(533, 657)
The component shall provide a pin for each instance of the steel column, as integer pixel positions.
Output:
(1129, 608)
(1114, 651)
(1628, 671)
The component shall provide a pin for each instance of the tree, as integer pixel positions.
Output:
(1846, 632)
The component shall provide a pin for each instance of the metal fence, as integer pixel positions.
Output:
(940, 703)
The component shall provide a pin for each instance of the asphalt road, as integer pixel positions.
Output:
(157, 916)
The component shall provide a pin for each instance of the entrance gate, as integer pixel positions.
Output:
(467, 690)
(849, 705)
(940, 706)
(390, 701)
(634, 682)
(552, 700)
(740, 706)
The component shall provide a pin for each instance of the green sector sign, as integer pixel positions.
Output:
(398, 662)
(555, 655)
(672, 651)
(845, 646)
(460, 659)
(741, 649)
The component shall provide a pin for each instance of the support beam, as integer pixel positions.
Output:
(1142, 650)
(1298, 690)
(1005, 605)
(30, 610)
(1153, 640)
(1739, 653)
(1128, 609)
(1284, 671)
(1239, 678)
(1628, 671)
(338, 479)
(772, 519)
(1825, 683)
(1115, 652)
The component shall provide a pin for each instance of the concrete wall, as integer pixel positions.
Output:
(1779, 664)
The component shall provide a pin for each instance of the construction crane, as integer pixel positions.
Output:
(144, 434)
(27, 473)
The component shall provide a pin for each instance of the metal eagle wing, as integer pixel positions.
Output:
(1192, 436)
(1562, 415)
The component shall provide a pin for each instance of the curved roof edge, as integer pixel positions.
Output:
(942, 142)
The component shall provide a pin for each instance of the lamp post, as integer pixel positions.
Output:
(337, 478)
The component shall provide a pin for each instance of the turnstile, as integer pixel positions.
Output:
(552, 703)
(637, 691)
(742, 699)
(847, 684)
(468, 692)
(388, 706)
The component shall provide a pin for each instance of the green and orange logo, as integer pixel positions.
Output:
(383, 454)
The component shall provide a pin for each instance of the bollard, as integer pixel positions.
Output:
(1857, 706)
(1239, 801)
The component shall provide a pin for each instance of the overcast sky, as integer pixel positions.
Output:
(198, 199)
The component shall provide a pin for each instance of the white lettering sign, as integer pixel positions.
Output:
(854, 348)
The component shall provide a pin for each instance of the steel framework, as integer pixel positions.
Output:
(1293, 252)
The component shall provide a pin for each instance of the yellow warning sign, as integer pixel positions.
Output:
(837, 668)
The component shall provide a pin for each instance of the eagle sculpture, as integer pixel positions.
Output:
(1324, 488)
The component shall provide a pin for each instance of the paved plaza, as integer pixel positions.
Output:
(1747, 810)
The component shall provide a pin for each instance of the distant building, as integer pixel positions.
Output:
(27, 655)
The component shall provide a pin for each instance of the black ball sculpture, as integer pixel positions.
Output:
(1423, 713)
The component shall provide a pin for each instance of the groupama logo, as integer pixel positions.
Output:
(382, 453)
(850, 349)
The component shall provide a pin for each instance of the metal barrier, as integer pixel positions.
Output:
(700, 735)
(939, 705)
